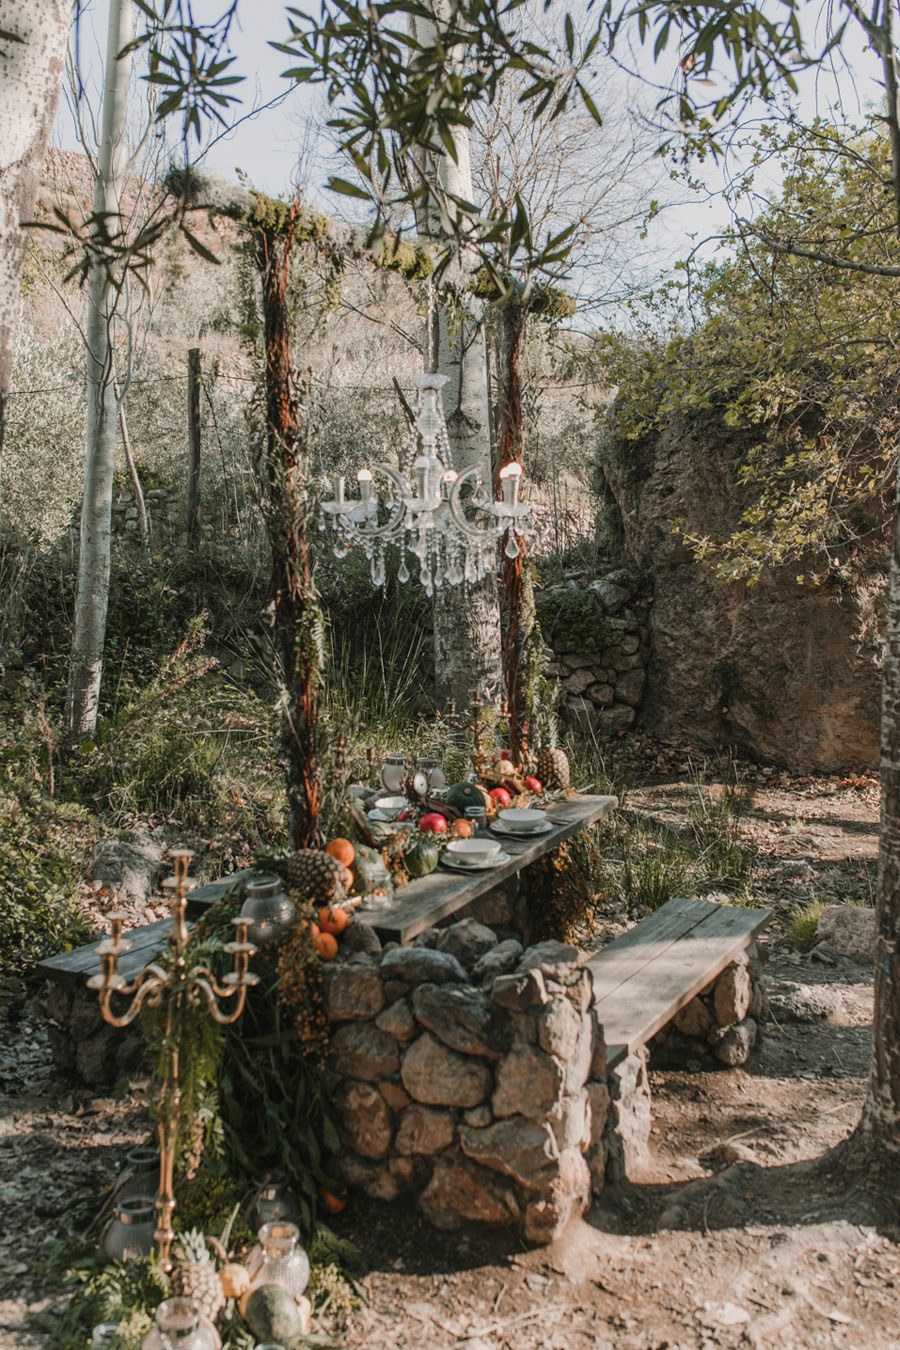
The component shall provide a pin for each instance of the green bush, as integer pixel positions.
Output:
(571, 620)
(43, 847)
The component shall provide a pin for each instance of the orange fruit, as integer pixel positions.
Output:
(333, 1203)
(333, 920)
(341, 849)
(461, 829)
(325, 946)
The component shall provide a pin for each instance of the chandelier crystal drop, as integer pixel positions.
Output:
(445, 523)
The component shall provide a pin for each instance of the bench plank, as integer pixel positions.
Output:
(429, 899)
(632, 1011)
(74, 967)
(631, 952)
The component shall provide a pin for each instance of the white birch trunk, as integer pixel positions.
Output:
(31, 71)
(466, 618)
(92, 594)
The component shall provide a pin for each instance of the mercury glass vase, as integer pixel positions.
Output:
(279, 1259)
(269, 910)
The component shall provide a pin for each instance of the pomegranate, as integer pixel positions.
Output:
(432, 823)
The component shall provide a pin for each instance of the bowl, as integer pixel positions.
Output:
(472, 852)
(390, 807)
(525, 819)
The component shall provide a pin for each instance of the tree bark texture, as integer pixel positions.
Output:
(32, 62)
(92, 593)
(466, 618)
(517, 607)
(296, 617)
(880, 1125)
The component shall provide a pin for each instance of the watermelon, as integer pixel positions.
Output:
(272, 1314)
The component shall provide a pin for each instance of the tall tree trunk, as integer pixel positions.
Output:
(466, 617)
(92, 594)
(515, 583)
(33, 36)
(296, 617)
(880, 1126)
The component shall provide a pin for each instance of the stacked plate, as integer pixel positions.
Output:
(522, 822)
(473, 855)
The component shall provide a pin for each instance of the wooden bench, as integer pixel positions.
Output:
(642, 981)
(73, 968)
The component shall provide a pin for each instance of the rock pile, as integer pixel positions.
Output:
(601, 687)
(724, 1019)
(471, 1073)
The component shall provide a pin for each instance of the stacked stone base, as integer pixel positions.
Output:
(471, 1074)
(723, 1022)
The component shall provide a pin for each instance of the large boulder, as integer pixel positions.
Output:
(787, 670)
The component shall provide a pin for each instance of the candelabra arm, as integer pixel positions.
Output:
(212, 992)
(145, 990)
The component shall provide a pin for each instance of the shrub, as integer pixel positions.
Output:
(804, 923)
(43, 847)
(570, 620)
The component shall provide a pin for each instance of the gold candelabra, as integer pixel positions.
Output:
(181, 986)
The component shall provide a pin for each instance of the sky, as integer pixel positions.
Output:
(264, 146)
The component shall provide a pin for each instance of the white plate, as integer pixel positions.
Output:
(498, 827)
(496, 861)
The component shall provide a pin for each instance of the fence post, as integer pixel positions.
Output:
(193, 394)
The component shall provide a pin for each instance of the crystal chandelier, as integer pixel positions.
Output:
(447, 521)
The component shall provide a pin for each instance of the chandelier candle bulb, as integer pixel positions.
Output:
(366, 487)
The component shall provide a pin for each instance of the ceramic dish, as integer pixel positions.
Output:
(448, 860)
(523, 821)
(390, 807)
(473, 851)
(497, 827)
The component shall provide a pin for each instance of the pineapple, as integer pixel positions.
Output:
(195, 1275)
(317, 877)
(553, 767)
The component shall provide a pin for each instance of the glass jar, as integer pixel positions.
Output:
(434, 773)
(129, 1232)
(273, 1200)
(269, 910)
(181, 1326)
(278, 1258)
(393, 772)
(141, 1173)
(477, 818)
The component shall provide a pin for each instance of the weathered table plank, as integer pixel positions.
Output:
(675, 969)
(421, 904)
(429, 899)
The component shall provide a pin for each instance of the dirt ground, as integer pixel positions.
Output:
(742, 1232)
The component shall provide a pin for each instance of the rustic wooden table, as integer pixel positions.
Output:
(425, 902)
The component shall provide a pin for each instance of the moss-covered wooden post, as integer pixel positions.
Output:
(295, 614)
(522, 643)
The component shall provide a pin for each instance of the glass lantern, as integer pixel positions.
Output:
(129, 1233)
(142, 1165)
(273, 1200)
(279, 1259)
(181, 1326)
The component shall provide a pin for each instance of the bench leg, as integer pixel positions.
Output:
(628, 1121)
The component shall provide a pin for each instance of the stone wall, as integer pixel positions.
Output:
(470, 1073)
(602, 680)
